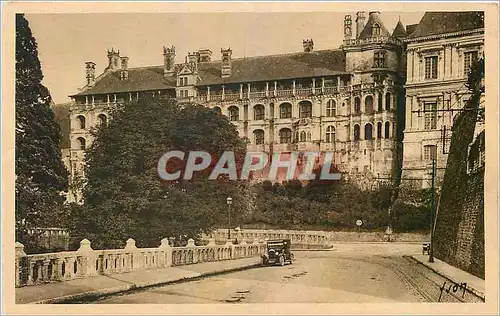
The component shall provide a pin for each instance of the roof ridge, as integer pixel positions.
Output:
(243, 58)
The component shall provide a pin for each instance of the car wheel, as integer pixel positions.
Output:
(282, 261)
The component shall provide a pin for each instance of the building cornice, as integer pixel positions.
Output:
(445, 35)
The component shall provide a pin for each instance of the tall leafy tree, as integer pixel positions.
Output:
(125, 198)
(40, 173)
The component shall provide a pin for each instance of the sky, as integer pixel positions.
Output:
(67, 40)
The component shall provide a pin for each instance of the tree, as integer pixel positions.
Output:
(40, 173)
(125, 198)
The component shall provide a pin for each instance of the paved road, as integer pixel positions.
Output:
(350, 273)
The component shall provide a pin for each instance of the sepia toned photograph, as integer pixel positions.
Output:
(252, 159)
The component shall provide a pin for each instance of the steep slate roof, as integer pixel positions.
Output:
(139, 79)
(250, 69)
(434, 23)
(373, 18)
(410, 28)
(61, 116)
(274, 67)
(399, 30)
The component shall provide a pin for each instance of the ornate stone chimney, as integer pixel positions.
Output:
(226, 62)
(168, 60)
(360, 22)
(205, 55)
(308, 45)
(192, 60)
(113, 60)
(90, 73)
(124, 68)
(347, 27)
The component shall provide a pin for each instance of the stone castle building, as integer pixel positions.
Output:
(349, 100)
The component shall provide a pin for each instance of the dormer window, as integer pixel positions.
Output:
(375, 30)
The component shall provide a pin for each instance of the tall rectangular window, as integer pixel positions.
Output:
(430, 152)
(430, 115)
(379, 60)
(469, 59)
(431, 67)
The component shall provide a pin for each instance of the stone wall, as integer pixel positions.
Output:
(322, 239)
(459, 230)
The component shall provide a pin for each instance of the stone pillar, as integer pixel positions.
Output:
(241, 91)
(248, 91)
(208, 93)
(165, 246)
(130, 96)
(223, 93)
(192, 248)
(20, 254)
(107, 97)
(322, 85)
(267, 89)
(137, 95)
(93, 100)
(338, 83)
(114, 98)
(132, 261)
(86, 100)
(293, 87)
(313, 85)
(87, 258)
(275, 88)
(410, 66)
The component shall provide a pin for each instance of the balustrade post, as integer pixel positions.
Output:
(131, 262)
(191, 248)
(165, 246)
(87, 262)
(20, 255)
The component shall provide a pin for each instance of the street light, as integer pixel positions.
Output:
(229, 201)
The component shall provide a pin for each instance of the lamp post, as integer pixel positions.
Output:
(229, 201)
(431, 250)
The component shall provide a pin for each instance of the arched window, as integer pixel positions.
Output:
(258, 137)
(368, 131)
(258, 112)
(369, 104)
(379, 130)
(375, 30)
(81, 121)
(234, 113)
(285, 110)
(302, 136)
(305, 109)
(357, 106)
(285, 136)
(356, 132)
(308, 136)
(387, 129)
(217, 110)
(380, 103)
(388, 101)
(103, 120)
(81, 143)
(331, 108)
(330, 134)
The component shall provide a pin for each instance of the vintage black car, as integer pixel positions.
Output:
(278, 252)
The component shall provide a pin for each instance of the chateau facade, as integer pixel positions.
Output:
(350, 101)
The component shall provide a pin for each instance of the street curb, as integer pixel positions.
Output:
(469, 288)
(95, 294)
